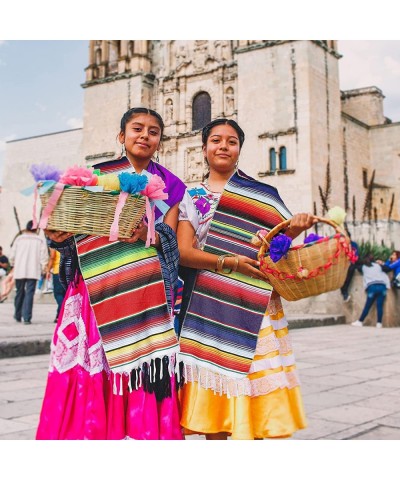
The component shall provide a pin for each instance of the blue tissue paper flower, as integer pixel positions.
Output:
(132, 182)
(279, 247)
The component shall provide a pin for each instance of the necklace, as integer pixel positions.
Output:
(207, 185)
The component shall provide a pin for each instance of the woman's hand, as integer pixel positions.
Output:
(57, 236)
(140, 232)
(299, 223)
(246, 266)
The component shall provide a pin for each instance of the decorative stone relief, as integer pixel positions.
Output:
(200, 54)
(169, 111)
(229, 101)
(222, 50)
(194, 164)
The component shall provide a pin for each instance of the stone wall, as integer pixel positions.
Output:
(59, 149)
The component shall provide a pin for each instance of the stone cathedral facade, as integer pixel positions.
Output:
(318, 145)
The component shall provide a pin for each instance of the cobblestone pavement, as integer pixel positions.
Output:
(350, 379)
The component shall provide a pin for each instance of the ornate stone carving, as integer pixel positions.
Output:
(169, 111)
(229, 101)
(222, 50)
(200, 54)
(194, 164)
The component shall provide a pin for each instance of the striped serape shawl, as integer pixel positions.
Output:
(220, 330)
(128, 286)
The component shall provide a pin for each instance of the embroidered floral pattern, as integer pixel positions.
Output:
(70, 346)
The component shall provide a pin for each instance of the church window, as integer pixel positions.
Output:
(201, 110)
(282, 158)
(272, 160)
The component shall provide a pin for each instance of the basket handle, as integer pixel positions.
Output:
(286, 223)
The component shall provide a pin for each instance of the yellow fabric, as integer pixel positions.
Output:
(276, 414)
(56, 263)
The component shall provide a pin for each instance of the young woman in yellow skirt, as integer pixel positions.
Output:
(238, 369)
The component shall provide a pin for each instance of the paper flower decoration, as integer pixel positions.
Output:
(132, 182)
(337, 215)
(79, 176)
(312, 238)
(45, 172)
(110, 181)
(154, 190)
(279, 247)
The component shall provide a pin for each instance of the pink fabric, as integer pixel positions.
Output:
(153, 191)
(79, 403)
(114, 230)
(51, 204)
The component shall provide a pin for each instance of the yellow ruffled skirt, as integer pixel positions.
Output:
(275, 407)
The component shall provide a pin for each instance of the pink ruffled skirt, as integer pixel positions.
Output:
(84, 399)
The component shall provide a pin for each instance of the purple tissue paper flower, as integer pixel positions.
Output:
(312, 238)
(279, 247)
(45, 172)
(202, 205)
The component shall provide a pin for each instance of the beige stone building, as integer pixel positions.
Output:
(318, 145)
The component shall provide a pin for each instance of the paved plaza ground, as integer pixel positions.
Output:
(350, 378)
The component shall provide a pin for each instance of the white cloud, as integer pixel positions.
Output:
(75, 122)
(6, 139)
(367, 63)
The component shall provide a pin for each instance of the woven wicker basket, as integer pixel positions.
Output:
(92, 213)
(308, 269)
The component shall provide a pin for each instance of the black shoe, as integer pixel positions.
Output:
(27, 322)
(17, 319)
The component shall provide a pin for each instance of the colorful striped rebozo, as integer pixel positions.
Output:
(221, 327)
(127, 290)
(127, 294)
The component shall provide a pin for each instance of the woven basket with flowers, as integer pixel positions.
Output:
(82, 200)
(319, 265)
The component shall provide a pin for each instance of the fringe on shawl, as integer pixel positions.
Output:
(154, 376)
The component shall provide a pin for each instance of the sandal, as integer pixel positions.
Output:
(3, 299)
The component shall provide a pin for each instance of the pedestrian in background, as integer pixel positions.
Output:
(393, 265)
(29, 257)
(376, 284)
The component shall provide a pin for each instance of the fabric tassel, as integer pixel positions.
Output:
(114, 385)
(130, 382)
(121, 388)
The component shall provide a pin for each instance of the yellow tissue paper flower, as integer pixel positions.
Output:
(110, 181)
(337, 215)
